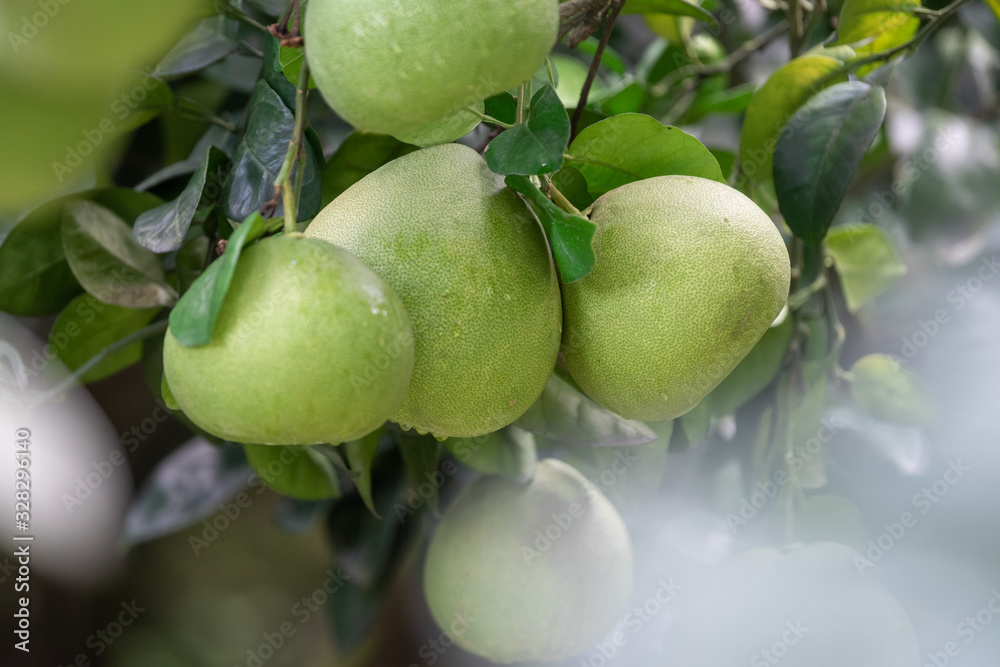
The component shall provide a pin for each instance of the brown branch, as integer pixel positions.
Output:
(609, 24)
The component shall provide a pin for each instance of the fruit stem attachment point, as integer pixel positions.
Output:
(560, 199)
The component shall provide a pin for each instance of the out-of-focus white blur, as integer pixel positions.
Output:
(80, 479)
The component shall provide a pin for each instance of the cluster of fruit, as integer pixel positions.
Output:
(426, 294)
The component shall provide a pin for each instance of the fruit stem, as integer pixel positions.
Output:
(609, 24)
(486, 118)
(560, 199)
(522, 102)
(282, 182)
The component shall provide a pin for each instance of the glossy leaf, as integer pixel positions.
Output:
(535, 146)
(108, 262)
(630, 147)
(865, 261)
(259, 156)
(360, 456)
(509, 452)
(819, 151)
(186, 487)
(192, 320)
(871, 26)
(291, 64)
(212, 40)
(570, 236)
(86, 326)
(291, 471)
(565, 414)
(672, 7)
(774, 104)
(35, 279)
(165, 227)
(887, 390)
(359, 155)
(755, 372)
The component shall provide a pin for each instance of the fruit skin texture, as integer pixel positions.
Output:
(689, 276)
(522, 603)
(392, 67)
(473, 268)
(751, 602)
(310, 347)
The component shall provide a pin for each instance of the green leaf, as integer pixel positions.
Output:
(360, 455)
(865, 260)
(730, 100)
(672, 7)
(629, 99)
(190, 262)
(887, 390)
(186, 487)
(570, 76)
(290, 59)
(86, 326)
(775, 103)
(697, 421)
(570, 236)
(215, 136)
(631, 147)
(535, 146)
(359, 155)
(420, 456)
(565, 414)
(509, 452)
(157, 99)
(194, 316)
(108, 262)
(755, 372)
(164, 228)
(291, 471)
(871, 26)
(35, 279)
(503, 107)
(819, 151)
(573, 185)
(259, 156)
(212, 40)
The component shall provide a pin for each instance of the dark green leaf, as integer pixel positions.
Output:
(565, 414)
(535, 146)
(291, 471)
(360, 455)
(186, 487)
(573, 185)
(192, 320)
(570, 236)
(212, 40)
(108, 262)
(86, 326)
(819, 151)
(503, 107)
(631, 147)
(35, 279)
(420, 455)
(191, 259)
(509, 452)
(673, 7)
(358, 156)
(259, 156)
(865, 260)
(164, 228)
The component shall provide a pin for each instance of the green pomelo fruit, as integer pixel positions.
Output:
(689, 276)
(393, 69)
(536, 571)
(472, 266)
(310, 347)
(446, 130)
(809, 606)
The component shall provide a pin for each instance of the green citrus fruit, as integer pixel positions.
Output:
(473, 268)
(536, 571)
(310, 347)
(807, 606)
(393, 69)
(689, 275)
